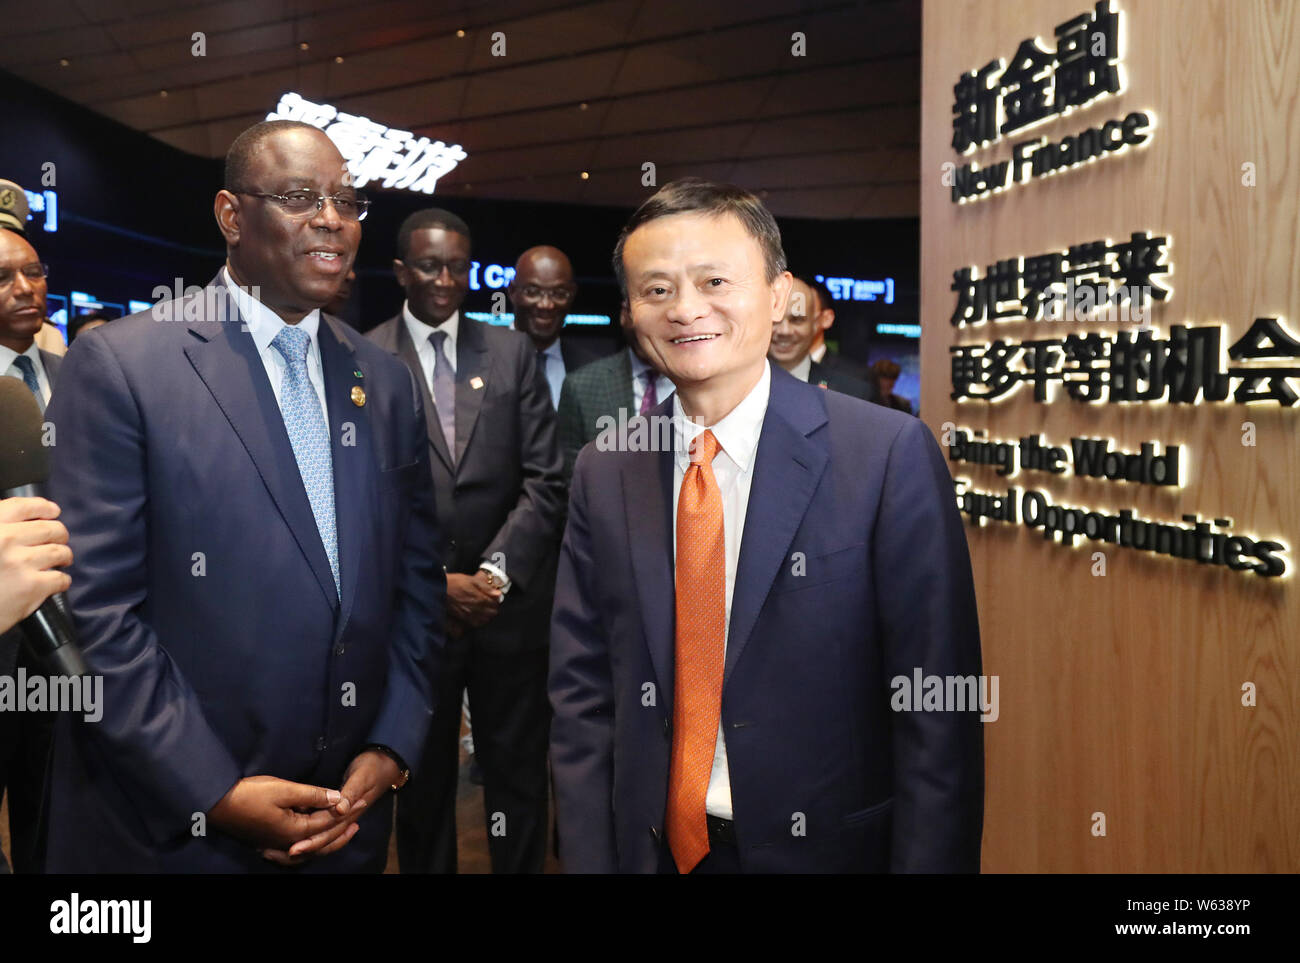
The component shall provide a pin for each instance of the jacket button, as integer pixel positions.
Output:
(340, 649)
(320, 743)
(654, 834)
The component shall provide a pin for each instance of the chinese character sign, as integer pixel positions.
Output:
(390, 157)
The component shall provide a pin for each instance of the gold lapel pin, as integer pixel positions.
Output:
(476, 382)
(358, 396)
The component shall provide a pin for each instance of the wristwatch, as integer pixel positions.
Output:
(404, 771)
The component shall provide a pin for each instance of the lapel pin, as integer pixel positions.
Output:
(358, 396)
(357, 374)
(476, 382)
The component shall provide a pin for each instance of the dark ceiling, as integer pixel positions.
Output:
(695, 87)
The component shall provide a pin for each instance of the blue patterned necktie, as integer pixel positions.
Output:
(309, 435)
(24, 364)
(444, 391)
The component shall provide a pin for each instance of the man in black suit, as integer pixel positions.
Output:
(24, 736)
(541, 292)
(822, 307)
(792, 340)
(500, 497)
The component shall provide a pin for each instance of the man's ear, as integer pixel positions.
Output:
(826, 318)
(399, 272)
(781, 295)
(225, 208)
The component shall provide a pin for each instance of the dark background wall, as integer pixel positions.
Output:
(135, 214)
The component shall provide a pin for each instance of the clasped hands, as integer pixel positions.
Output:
(472, 601)
(290, 822)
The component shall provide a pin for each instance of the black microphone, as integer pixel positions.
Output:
(24, 465)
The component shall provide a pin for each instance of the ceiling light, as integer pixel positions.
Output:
(304, 45)
(460, 33)
(585, 175)
(64, 62)
(338, 60)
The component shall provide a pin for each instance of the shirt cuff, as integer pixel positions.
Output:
(493, 570)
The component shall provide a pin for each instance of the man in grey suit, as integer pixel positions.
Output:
(24, 736)
(500, 503)
(624, 382)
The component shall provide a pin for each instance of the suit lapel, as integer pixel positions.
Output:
(405, 349)
(225, 358)
(51, 362)
(787, 469)
(353, 454)
(647, 495)
(472, 362)
(621, 385)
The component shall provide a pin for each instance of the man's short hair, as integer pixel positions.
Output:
(695, 195)
(239, 158)
(824, 299)
(425, 219)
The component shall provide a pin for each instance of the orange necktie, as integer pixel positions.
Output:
(701, 645)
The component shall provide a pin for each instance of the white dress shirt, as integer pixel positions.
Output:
(663, 387)
(7, 356)
(818, 352)
(420, 336)
(264, 324)
(733, 467)
(803, 369)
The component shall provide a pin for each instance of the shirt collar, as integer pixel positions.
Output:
(639, 367)
(263, 323)
(420, 332)
(9, 355)
(818, 352)
(737, 433)
(552, 350)
(803, 370)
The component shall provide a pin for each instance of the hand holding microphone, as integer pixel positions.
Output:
(33, 545)
(31, 541)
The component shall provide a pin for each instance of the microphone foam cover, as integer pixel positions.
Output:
(23, 459)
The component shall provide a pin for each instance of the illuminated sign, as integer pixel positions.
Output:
(393, 158)
(47, 203)
(1038, 84)
(1092, 457)
(494, 276)
(506, 319)
(852, 289)
(906, 330)
(1076, 281)
(1134, 366)
(1194, 541)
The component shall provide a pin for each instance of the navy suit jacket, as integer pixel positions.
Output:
(853, 570)
(203, 594)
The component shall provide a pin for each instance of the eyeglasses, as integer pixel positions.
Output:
(36, 271)
(432, 267)
(303, 203)
(532, 292)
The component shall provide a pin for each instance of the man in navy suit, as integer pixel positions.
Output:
(731, 609)
(247, 489)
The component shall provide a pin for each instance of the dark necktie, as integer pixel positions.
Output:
(24, 364)
(444, 391)
(651, 397)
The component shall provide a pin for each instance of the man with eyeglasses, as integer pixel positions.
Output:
(246, 486)
(541, 292)
(24, 736)
(500, 494)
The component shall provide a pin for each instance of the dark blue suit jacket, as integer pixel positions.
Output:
(203, 594)
(824, 776)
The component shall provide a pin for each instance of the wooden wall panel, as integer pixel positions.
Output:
(1122, 694)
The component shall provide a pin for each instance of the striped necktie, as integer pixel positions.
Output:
(309, 435)
(24, 364)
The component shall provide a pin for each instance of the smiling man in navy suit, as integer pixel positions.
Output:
(730, 610)
(246, 486)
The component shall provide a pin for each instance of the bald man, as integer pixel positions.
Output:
(540, 293)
